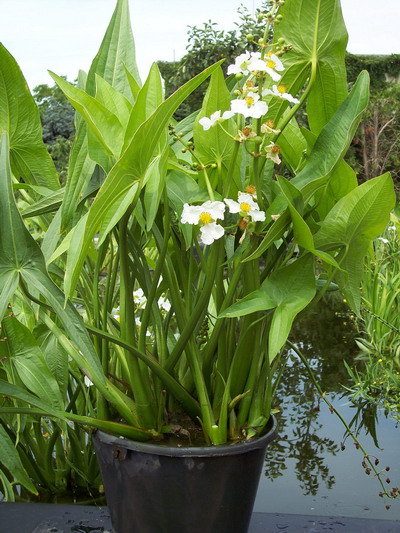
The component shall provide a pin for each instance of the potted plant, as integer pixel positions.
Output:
(177, 255)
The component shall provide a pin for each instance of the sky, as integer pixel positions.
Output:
(64, 35)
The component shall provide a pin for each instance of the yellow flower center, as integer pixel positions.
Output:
(245, 207)
(281, 89)
(271, 64)
(205, 218)
(249, 100)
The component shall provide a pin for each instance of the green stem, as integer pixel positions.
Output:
(138, 384)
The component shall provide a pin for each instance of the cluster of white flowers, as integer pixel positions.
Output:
(250, 104)
(209, 212)
(250, 62)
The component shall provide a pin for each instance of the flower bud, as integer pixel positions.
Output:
(239, 76)
(260, 41)
(279, 18)
(261, 17)
(236, 92)
(269, 15)
(257, 139)
(281, 40)
(250, 37)
(214, 165)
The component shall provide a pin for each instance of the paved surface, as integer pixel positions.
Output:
(48, 518)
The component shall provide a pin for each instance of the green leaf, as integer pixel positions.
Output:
(288, 290)
(302, 233)
(215, 145)
(335, 138)
(351, 225)
(18, 250)
(19, 117)
(80, 170)
(148, 99)
(20, 256)
(116, 53)
(317, 33)
(102, 122)
(9, 458)
(48, 204)
(131, 167)
(155, 183)
(29, 363)
(113, 100)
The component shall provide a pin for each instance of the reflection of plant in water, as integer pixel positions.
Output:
(319, 333)
(300, 442)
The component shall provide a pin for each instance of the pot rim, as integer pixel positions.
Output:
(190, 451)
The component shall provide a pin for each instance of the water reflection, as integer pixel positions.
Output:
(306, 471)
(326, 337)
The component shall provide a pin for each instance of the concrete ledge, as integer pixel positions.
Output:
(49, 518)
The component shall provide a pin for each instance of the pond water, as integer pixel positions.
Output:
(306, 471)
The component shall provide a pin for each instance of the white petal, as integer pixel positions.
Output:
(244, 197)
(278, 63)
(268, 92)
(215, 209)
(191, 214)
(206, 123)
(233, 206)
(215, 116)
(227, 114)
(274, 75)
(258, 109)
(257, 64)
(257, 215)
(233, 69)
(211, 232)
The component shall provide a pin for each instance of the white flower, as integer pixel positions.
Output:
(280, 92)
(163, 303)
(205, 215)
(139, 298)
(251, 106)
(245, 134)
(246, 207)
(385, 241)
(244, 63)
(252, 62)
(272, 152)
(273, 63)
(268, 127)
(207, 123)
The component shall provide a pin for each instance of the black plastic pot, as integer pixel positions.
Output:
(154, 488)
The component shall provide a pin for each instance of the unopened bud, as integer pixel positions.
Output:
(236, 92)
(239, 75)
(250, 37)
(260, 41)
(214, 165)
(281, 41)
(279, 18)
